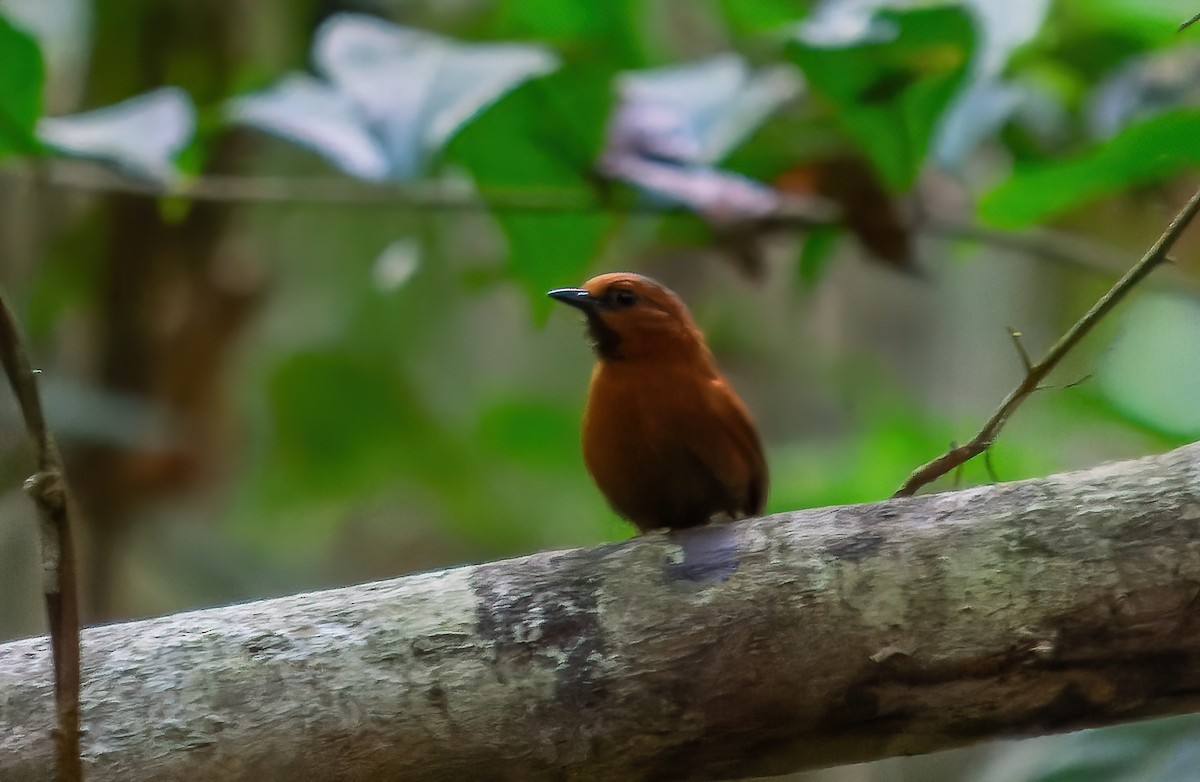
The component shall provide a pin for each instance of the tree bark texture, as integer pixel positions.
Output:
(803, 639)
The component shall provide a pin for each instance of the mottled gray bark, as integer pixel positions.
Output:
(803, 639)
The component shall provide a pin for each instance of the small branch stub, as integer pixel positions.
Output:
(1026, 360)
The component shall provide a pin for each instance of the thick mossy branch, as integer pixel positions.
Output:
(799, 640)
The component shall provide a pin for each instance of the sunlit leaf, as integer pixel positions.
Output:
(141, 135)
(889, 79)
(1150, 151)
(673, 124)
(311, 112)
(987, 100)
(396, 265)
(394, 96)
(417, 88)
(697, 113)
(21, 77)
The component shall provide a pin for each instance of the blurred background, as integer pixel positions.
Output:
(283, 266)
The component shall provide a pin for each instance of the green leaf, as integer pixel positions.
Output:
(21, 78)
(816, 254)
(758, 16)
(543, 137)
(1153, 21)
(889, 95)
(1149, 151)
(582, 30)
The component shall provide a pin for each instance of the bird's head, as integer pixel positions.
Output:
(633, 317)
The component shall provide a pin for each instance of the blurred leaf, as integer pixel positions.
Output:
(1153, 21)
(872, 215)
(673, 124)
(395, 95)
(1153, 150)
(760, 16)
(21, 78)
(310, 112)
(1152, 372)
(141, 135)
(1144, 87)
(1162, 750)
(982, 108)
(1003, 27)
(987, 100)
(891, 83)
(698, 112)
(538, 434)
(819, 244)
(605, 33)
(543, 136)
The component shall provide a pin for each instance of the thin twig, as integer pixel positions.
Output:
(1189, 23)
(48, 490)
(1033, 377)
(987, 463)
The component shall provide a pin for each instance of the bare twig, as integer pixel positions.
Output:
(48, 490)
(1037, 372)
(1189, 23)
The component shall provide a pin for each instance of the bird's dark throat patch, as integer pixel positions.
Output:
(605, 340)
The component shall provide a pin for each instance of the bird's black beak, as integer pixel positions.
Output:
(576, 297)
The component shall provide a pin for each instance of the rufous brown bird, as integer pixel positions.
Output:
(665, 438)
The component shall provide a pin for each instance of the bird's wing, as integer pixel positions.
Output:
(734, 456)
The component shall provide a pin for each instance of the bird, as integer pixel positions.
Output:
(665, 438)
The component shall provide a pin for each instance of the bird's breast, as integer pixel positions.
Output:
(650, 434)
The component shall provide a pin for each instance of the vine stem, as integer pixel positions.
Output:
(48, 490)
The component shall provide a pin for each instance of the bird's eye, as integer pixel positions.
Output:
(625, 297)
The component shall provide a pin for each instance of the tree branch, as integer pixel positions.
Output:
(441, 196)
(432, 194)
(805, 639)
(48, 490)
(1035, 373)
